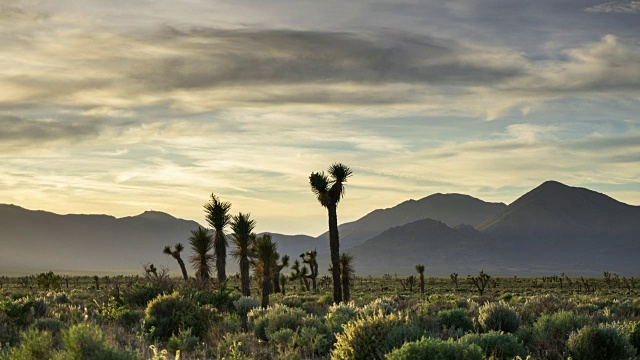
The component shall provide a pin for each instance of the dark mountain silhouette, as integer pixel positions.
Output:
(40, 240)
(451, 209)
(552, 229)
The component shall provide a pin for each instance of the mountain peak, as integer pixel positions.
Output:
(155, 215)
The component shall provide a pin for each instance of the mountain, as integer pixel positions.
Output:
(39, 241)
(554, 228)
(294, 245)
(440, 248)
(451, 209)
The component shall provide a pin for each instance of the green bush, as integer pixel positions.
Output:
(384, 305)
(498, 316)
(339, 315)
(455, 319)
(34, 344)
(497, 345)
(311, 342)
(435, 349)
(19, 312)
(85, 342)
(128, 318)
(292, 301)
(600, 343)
(367, 337)
(550, 332)
(266, 322)
(140, 295)
(166, 315)
(632, 330)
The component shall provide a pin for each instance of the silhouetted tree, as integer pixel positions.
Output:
(176, 255)
(346, 272)
(243, 239)
(300, 273)
(284, 262)
(329, 191)
(283, 283)
(201, 244)
(217, 214)
(311, 258)
(420, 270)
(264, 258)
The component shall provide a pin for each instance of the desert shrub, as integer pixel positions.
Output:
(19, 312)
(241, 346)
(128, 318)
(498, 316)
(291, 301)
(140, 294)
(435, 349)
(53, 326)
(85, 342)
(220, 298)
(497, 345)
(245, 304)
(265, 323)
(550, 332)
(455, 319)
(39, 308)
(311, 342)
(632, 330)
(326, 299)
(61, 298)
(340, 314)
(166, 315)
(384, 305)
(599, 343)
(34, 344)
(282, 338)
(544, 304)
(367, 337)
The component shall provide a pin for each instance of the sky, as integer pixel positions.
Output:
(118, 107)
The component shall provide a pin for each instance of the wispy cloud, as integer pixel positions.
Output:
(628, 7)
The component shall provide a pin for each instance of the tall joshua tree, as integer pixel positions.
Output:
(201, 245)
(175, 252)
(217, 214)
(329, 190)
(311, 258)
(346, 272)
(243, 238)
(284, 262)
(264, 258)
(420, 270)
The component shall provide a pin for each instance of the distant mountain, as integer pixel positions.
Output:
(294, 245)
(553, 228)
(40, 240)
(451, 209)
(440, 248)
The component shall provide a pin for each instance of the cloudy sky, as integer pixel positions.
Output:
(113, 106)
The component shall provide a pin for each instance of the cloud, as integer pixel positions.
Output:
(627, 7)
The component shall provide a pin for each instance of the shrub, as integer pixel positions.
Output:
(455, 319)
(140, 295)
(19, 312)
(600, 343)
(497, 345)
(367, 337)
(265, 323)
(435, 349)
(498, 316)
(311, 342)
(340, 314)
(39, 308)
(384, 305)
(85, 342)
(292, 301)
(128, 318)
(544, 304)
(550, 332)
(245, 304)
(632, 330)
(166, 315)
(34, 344)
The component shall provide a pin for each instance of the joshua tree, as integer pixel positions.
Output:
(300, 273)
(454, 279)
(283, 282)
(346, 272)
(201, 244)
(284, 262)
(243, 238)
(264, 258)
(329, 191)
(310, 258)
(420, 270)
(479, 281)
(176, 255)
(217, 214)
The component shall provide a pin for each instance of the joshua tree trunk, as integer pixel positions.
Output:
(182, 267)
(276, 282)
(266, 288)
(334, 246)
(422, 284)
(220, 250)
(346, 294)
(244, 276)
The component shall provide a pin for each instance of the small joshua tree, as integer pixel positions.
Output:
(479, 281)
(175, 253)
(310, 258)
(454, 279)
(420, 270)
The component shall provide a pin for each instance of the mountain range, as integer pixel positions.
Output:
(551, 229)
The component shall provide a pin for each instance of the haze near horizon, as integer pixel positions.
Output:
(118, 108)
